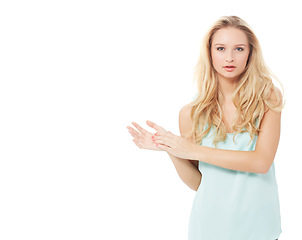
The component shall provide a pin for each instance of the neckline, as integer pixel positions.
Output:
(232, 133)
(244, 131)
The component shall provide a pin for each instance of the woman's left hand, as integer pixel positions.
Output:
(175, 145)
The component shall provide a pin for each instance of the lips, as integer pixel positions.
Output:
(229, 68)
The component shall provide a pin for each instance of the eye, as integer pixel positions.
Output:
(239, 49)
(220, 48)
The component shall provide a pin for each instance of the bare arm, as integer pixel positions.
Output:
(257, 161)
(186, 169)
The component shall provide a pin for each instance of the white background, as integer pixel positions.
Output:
(74, 74)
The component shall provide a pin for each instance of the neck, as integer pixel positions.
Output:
(227, 87)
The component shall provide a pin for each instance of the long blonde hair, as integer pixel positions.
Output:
(251, 95)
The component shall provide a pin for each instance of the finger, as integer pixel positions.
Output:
(154, 126)
(160, 137)
(133, 132)
(163, 137)
(135, 135)
(163, 147)
(165, 142)
(170, 134)
(140, 128)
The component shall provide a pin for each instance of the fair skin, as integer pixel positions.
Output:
(229, 48)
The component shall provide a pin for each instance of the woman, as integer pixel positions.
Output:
(229, 138)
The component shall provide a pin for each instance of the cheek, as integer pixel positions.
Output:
(243, 60)
(217, 60)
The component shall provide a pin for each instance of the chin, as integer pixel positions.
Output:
(229, 77)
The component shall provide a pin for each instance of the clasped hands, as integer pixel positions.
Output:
(162, 140)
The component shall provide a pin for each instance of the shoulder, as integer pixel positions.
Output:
(185, 121)
(270, 128)
(275, 98)
(275, 94)
(272, 112)
(185, 111)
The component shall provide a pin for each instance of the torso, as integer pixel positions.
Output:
(229, 111)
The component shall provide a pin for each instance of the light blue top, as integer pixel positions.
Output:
(235, 205)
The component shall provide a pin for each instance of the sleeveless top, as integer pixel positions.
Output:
(235, 205)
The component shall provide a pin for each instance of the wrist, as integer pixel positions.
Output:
(196, 153)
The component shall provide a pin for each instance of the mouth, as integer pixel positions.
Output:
(229, 68)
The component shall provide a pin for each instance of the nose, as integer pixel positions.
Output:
(229, 60)
(229, 57)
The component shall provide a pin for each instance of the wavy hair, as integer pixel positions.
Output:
(251, 96)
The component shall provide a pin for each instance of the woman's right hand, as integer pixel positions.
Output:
(142, 138)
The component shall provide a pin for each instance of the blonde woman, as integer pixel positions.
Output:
(229, 138)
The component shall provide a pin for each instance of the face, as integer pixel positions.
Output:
(230, 51)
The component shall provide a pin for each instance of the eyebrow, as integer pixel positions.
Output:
(235, 45)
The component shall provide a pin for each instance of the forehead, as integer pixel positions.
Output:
(230, 36)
